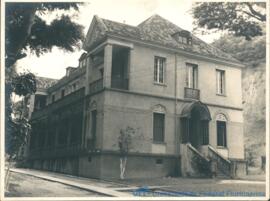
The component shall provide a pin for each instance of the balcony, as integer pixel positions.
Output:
(192, 93)
(96, 86)
(70, 99)
(120, 83)
(98, 60)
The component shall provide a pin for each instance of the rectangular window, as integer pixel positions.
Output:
(62, 93)
(74, 87)
(93, 123)
(192, 76)
(53, 98)
(159, 161)
(220, 77)
(221, 134)
(159, 70)
(158, 127)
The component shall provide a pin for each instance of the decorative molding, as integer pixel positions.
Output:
(221, 116)
(169, 98)
(159, 108)
(92, 105)
(182, 52)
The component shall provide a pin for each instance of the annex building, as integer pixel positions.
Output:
(181, 95)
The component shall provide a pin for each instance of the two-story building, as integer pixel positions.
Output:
(181, 95)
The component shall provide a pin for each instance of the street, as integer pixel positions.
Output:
(36, 183)
(21, 185)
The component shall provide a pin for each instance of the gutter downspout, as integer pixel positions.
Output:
(177, 148)
(175, 106)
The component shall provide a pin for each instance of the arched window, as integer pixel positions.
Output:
(221, 121)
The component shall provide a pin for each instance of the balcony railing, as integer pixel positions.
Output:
(223, 164)
(98, 61)
(120, 83)
(96, 86)
(192, 93)
(66, 100)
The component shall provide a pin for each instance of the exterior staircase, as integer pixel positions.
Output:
(223, 164)
(197, 164)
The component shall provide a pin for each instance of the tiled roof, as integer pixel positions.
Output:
(77, 72)
(44, 82)
(159, 31)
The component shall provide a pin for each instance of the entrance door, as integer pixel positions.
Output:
(195, 128)
(194, 124)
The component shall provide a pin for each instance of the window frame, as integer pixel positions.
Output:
(195, 76)
(63, 91)
(53, 98)
(93, 132)
(155, 140)
(220, 82)
(224, 136)
(157, 77)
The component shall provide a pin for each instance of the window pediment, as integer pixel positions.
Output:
(221, 117)
(159, 109)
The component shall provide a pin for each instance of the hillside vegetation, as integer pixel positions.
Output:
(252, 54)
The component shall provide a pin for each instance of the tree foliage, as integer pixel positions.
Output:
(125, 140)
(240, 19)
(24, 84)
(251, 53)
(26, 29)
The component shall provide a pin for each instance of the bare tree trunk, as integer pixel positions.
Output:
(123, 162)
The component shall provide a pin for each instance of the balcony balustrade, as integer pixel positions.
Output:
(98, 61)
(120, 83)
(66, 100)
(96, 86)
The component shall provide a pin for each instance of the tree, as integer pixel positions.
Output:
(126, 139)
(238, 19)
(124, 143)
(250, 53)
(26, 30)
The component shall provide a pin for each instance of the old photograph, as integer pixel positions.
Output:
(134, 99)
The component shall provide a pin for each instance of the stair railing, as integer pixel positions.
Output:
(223, 164)
(200, 163)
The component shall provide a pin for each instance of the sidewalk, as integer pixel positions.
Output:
(94, 185)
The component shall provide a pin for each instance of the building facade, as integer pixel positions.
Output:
(182, 96)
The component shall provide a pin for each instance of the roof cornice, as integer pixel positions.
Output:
(176, 50)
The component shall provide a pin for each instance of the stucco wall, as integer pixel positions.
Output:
(235, 135)
(94, 102)
(122, 110)
(142, 76)
(138, 166)
(89, 166)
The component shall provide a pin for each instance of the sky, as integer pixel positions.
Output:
(131, 12)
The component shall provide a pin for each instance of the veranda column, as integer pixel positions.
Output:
(89, 68)
(107, 66)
